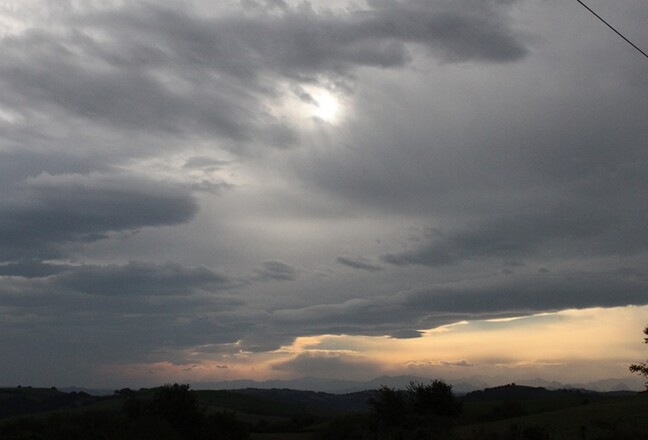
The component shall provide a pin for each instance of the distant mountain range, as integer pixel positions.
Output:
(400, 382)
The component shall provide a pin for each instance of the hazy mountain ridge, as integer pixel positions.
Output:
(338, 386)
(464, 386)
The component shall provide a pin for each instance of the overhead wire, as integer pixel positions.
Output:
(611, 27)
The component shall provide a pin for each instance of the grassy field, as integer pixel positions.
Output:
(285, 436)
(611, 418)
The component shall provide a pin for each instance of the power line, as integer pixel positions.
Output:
(610, 26)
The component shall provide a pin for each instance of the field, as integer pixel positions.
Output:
(605, 418)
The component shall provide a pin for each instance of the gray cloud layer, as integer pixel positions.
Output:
(488, 161)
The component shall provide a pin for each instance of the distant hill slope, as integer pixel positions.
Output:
(27, 400)
(253, 404)
(516, 392)
(523, 392)
(351, 402)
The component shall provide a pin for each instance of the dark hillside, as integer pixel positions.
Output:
(520, 392)
(249, 404)
(609, 418)
(26, 400)
(509, 401)
(352, 402)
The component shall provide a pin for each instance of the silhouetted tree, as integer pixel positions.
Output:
(434, 399)
(642, 368)
(422, 411)
(178, 405)
(389, 406)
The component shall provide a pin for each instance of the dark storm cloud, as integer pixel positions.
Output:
(278, 271)
(514, 237)
(138, 278)
(406, 334)
(44, 213)
(31, 269)
(531, 294)
(461, 31)
(135, 312)
(581, 228)
(376, 316)
(111, 338)
(511, 295)
(359, 263)
(301, 40)
(136, 289)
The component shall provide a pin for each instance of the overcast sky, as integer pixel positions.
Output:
(276, 189)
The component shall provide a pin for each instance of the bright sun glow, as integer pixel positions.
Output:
(308, 106)
(327, 107)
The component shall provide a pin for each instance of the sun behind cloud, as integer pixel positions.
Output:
(307, 106)
(327, 107)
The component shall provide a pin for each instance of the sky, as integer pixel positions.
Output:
(275, 189)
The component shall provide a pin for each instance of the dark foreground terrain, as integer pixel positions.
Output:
(423, 411)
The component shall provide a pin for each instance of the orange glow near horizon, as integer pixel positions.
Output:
(570, 345)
